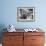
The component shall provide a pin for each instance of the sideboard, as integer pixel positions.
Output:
(23, 39)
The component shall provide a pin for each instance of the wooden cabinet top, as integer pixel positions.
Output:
(20, 32)
(24, 33)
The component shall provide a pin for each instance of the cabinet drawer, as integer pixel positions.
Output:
(37, 39)
(8, 44)
(12, 39)
(27, 41)
(12, 44)
(13, 33)
(37, 44)
(34, 33)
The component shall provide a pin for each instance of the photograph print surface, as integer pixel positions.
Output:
(26, 14)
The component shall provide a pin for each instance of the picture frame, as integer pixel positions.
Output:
(26, 14)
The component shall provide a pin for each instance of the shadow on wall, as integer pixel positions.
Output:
(2, 26)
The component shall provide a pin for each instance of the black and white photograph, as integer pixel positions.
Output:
(26, 14)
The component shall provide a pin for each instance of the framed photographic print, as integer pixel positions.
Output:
(25, 14)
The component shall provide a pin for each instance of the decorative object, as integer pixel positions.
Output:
(11, 28)
(26, 14)
(32, 30)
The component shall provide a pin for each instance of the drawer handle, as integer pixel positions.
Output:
(33, 39)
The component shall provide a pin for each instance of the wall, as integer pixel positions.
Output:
(8, 13)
